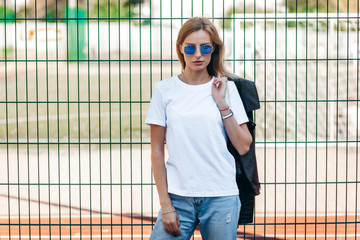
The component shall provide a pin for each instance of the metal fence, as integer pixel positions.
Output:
(76, 79)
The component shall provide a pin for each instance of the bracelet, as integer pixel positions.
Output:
(221, 110)
(168, 212)
(227, 115)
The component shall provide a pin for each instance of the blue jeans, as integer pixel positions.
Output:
(217, 218)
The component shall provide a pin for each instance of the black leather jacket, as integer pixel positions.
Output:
(246, 168)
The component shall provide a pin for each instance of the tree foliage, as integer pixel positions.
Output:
(321, 6)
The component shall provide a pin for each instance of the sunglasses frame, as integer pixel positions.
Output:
(192, 51)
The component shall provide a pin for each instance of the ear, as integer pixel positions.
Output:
(181, 49)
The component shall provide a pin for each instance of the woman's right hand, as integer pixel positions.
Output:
(171, 221)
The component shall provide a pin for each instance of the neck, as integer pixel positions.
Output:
(194, 77)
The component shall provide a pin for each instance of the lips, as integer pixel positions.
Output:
(198, 62)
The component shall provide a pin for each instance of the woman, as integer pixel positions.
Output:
(195, 112)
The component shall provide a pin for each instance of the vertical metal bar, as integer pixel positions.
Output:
(141, 130)
(255, 63)
(161, 42)
(316, 111)
(233, 39)
(17, 119)
(88, 103)
(171, 40)
(192, 8)
(255, 20)
(202, 8)
(110, 123)
(286, 110)
(78, 118)
(182, 12)
(131, 126)
(275, 140)
(99, 117)
(306, 111)
(296, 114)
(120, 127)
(347, 121)
(68, 111)
(337, 114)
(265, 106)
(357, 117)
(58, 120)
(327, 114)
(223, 20)
(7, 130)
(27, 128)
(37, 117)
(89, 134)
(244, 26)
(233, 30)
(150, 89)
(47, 120)
(89, 123)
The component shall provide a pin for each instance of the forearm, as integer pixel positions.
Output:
(239, 136)
(159, 172)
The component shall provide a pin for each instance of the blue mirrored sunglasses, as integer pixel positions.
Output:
(205, 49)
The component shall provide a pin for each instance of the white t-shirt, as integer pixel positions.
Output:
(199, 163)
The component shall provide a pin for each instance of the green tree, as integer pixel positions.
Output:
(6, 13)
(322, 6)
(112, 9)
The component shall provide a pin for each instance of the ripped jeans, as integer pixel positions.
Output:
(217, 218)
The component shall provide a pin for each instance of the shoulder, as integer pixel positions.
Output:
(166, 84)
(244, 85)
(232, 87)
(248, 93)
(231, 84)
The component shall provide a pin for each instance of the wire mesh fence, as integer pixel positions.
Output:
(76, 79)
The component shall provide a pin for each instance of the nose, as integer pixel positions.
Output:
(197, 52)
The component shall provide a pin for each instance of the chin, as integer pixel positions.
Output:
(198, 68)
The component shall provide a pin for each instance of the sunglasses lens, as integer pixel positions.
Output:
(189, 49)
(206, 49)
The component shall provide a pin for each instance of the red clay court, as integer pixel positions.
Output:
(139, 227)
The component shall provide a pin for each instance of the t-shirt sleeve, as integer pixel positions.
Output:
(156, 114)
(236, 105)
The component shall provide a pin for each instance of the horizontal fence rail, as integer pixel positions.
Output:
(76, 79)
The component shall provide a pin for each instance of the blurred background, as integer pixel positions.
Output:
(76, 78)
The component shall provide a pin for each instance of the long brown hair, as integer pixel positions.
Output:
(216, 66)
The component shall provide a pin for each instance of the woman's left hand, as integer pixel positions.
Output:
(219, 90)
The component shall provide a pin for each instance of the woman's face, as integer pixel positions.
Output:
(198, 61)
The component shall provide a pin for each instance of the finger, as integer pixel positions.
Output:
(169, 229)
(174, 225)
(176, 228)
(178, 225)
(224, 79)
(170, 225)
(217, 83)
(178, 220)
(172, 229)
(166, 228)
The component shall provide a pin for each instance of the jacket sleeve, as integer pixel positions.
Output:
(247, 162)
(246, 167)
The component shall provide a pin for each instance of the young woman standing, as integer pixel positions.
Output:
(195, 112)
